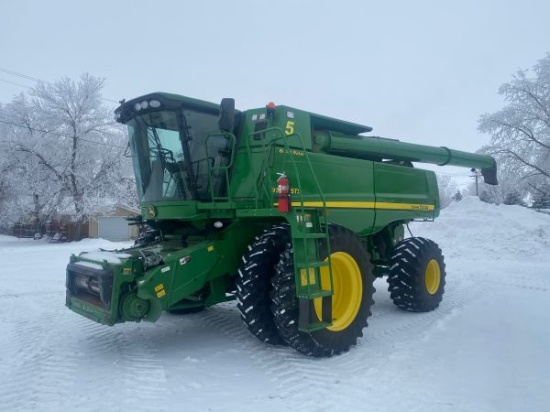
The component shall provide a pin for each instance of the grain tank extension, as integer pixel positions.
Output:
(290, 213)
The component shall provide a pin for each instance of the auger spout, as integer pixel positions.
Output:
(380, 148)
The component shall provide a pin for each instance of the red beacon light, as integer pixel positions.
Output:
(270, 109)
(283, 191)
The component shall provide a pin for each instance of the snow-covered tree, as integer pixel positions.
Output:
(447, 187)
(66, 151)
(486, 193)
(486, 196)
(541, 197)
(513, 198)
(520, 132)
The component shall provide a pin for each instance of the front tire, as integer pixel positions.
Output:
(417, 275)
(254, 283)
(352, 298)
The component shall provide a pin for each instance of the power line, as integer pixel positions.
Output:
(15, 84)
(34, 79)
(23, 76)
(56, 134)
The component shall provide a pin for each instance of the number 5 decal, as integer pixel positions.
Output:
(289, 129)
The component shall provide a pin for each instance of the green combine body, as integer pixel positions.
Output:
(291, 213)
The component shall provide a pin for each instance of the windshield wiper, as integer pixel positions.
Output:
(165, 155)
(184, 138)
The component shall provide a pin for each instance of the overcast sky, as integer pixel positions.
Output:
(420, 71)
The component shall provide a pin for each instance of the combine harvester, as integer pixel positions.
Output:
(291, 213)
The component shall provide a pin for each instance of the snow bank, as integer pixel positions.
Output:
(471, 228)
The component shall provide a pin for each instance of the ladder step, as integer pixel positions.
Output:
(320, 294)
(314, 326)
(309, 320)
(312, 265)
(315, 295)
(313, 235)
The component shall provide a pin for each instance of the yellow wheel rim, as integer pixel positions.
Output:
(348, 290)
(432, 277)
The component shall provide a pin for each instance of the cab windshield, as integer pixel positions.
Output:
(174, 152)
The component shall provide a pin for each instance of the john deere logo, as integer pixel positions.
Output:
(151, 212)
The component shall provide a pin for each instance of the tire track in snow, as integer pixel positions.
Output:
(5, 294)
(39, 366)
(47, 354)
(299, 379)
(456, 296)
(331, 383)
(13, 358)
(124, 364)
(527, 284)
(144, 374)
(273, 360)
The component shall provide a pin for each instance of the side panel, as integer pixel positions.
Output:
(348, 187)
(404, 193)
(362, 195)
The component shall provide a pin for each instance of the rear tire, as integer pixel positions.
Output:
(417, 275)
(352, 298)
(254, 283)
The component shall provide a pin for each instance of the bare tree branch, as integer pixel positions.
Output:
(42, 161)
(522, 160)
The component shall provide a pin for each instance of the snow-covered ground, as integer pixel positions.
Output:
(486, 348)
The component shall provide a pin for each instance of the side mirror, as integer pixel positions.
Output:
(227, 115)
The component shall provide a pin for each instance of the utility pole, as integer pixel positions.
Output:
(476, 176)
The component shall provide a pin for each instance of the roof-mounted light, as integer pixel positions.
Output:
(154, 104)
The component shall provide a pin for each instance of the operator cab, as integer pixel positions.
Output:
(181, 147)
